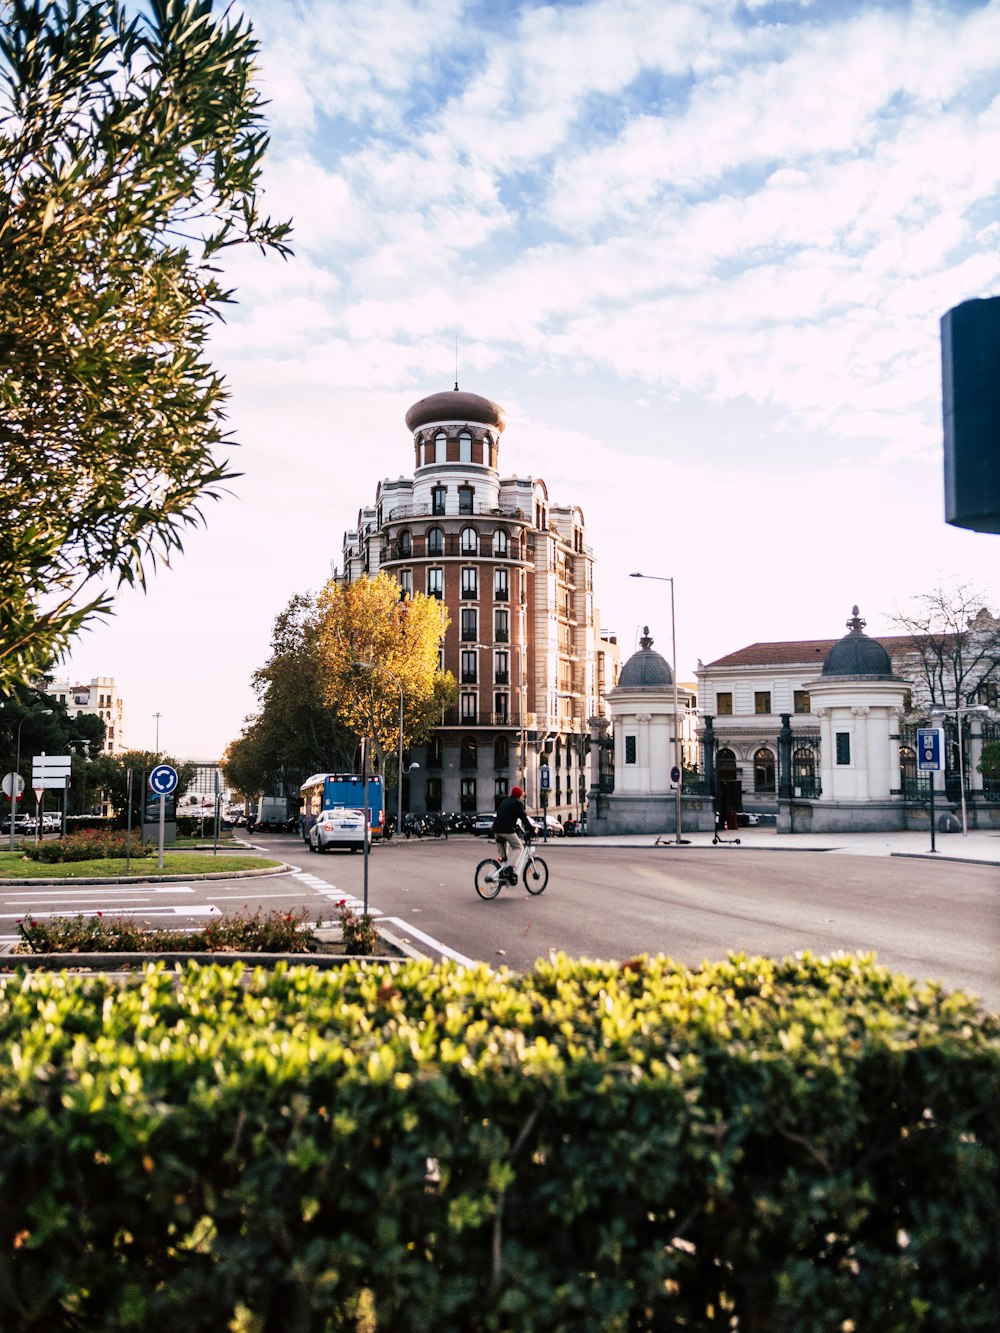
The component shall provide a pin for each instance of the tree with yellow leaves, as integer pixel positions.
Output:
(371, 644)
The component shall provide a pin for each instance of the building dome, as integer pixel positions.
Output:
(645, 670)
(455, 405)
(856, 654)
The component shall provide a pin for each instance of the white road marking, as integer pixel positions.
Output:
(120, 891)
(431, 941)
(338, 896)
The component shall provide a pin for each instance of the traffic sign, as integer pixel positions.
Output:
(930, 749)
(51, 772)
(675, 774)
(163, 779)
(13, 785)
(545, 777)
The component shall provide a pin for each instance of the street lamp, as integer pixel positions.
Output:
(40, 712)
(377, 666)
(973, 710)
(660, 578)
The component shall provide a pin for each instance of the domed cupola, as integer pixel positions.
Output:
(645, 670)
(856, 654)
(456, 405)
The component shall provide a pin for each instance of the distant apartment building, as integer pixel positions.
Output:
(524, 643)
(101, 698)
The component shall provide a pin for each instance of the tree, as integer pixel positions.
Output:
(398, 639)
(295, 732)
(955, 644)
(130, 156)
(989, 764)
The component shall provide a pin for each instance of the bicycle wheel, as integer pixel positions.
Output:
(488, 878)
(536, 875)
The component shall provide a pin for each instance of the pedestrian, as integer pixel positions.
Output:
(511, 816)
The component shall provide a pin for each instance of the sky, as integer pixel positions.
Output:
(698, 251)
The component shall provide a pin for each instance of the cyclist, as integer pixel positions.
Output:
(510, 816)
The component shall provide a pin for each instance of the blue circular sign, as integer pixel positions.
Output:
(163, 779)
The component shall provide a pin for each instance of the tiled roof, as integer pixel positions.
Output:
(796, 652)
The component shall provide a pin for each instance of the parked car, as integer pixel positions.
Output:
(339, 828)
(552, 826)
(483, 823)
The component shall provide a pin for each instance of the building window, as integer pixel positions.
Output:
(843, 747)
(466, 496)
(499, 791)
(432, 798)
(438, 497)
(468, 798)
(440, 448)
(803, 772)
(470, 624)
(435, 542)
(406, 582)
(800, 701)
(468, 708)
(470, 659)
(470, 583)
(501, 753)
(467, 754)
(470, 541)
(465, 447)
(435, 583)
(724, 704)
(763, 771)
(501, 709)
(435, 752)
(501, 626)
(500, 587)
(501, 543)
(404, 545)
(501, 669)
(630, 749)
(762, 701)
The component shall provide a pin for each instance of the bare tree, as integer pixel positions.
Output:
(955, 648)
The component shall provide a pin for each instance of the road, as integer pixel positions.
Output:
(929, 919)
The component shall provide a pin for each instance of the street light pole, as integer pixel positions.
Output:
(660, 578)
(41, 712)
(971, 710)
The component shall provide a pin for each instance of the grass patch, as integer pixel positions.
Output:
(14, 865)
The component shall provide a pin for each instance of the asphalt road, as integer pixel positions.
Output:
(929, 919)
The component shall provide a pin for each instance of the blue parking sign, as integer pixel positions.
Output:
(930, 749)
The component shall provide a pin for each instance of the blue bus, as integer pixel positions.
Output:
(332, 791)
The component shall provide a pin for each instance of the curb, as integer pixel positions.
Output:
(150, 879)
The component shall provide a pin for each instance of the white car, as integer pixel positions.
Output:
(339, 828)
(552, 828)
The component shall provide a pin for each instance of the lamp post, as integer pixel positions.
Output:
(973, 710)
(41, 712)
(661, 578)
(377, 666)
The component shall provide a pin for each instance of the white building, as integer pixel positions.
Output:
(99, 697)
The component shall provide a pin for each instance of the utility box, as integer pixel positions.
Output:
(970, 366)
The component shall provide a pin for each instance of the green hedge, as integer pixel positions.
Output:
(787, 1147)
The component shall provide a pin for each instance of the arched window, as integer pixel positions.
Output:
(501, 542)
(763, 771)
(803, 772)
(725, 764)
(465, 447)
(908, 769)
(440, 448)
(468, 757)
(404, 546)
(470, 541)
(501, 752)
(435, 541)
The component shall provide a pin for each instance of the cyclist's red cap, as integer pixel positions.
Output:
(517, 792)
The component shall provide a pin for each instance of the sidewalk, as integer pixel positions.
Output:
(979, 845)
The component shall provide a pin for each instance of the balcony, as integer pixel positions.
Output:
(453, 718)
(501, 678)
(470, 678)
(478, 507)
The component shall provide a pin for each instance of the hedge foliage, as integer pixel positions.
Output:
(89, 845)
(769, 1147)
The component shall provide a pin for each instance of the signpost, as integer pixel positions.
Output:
(930, 759)
(49, 772)
(162, 781)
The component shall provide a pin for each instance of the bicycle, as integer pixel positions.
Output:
(492, 874)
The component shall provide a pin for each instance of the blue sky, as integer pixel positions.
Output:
(698, 251)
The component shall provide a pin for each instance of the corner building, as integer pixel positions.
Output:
(524, 642)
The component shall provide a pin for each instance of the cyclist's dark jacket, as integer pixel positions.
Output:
(510, 814)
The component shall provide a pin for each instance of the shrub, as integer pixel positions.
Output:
(358, 934)
(771, 1147)
(89, 845)
(232, 932)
